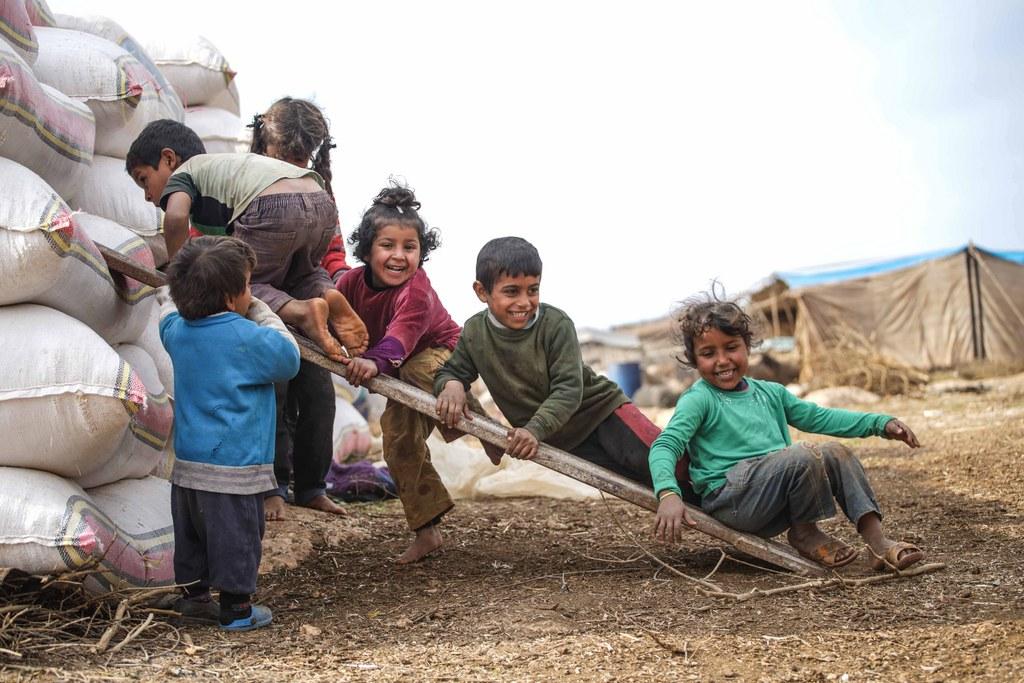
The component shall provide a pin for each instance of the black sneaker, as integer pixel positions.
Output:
(203, 610)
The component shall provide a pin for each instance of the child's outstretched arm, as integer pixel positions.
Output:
(814, 419)
(895, 429)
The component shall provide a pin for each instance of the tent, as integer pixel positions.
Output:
(935, 310)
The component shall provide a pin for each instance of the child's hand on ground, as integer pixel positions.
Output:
(451, 404)
(672, 514)
(522, 444)
(360, 370)
(894, 429)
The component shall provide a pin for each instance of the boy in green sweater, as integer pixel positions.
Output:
(743, 462)
(529, 358)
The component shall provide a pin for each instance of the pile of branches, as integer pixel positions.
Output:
(54, 618)
(849, 359)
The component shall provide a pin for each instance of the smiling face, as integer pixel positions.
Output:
(395, 255)
(721, 358)
(513, 301)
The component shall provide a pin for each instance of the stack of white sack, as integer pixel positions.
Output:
(206, 84)
(42, 128)
(84, 416)
(93, 61)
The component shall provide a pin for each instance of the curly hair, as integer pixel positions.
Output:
(700, 313)
(299, 131)
(396, 204)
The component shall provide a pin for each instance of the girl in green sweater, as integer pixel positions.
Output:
(743, 463)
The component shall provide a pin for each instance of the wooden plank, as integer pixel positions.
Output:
(490, 431)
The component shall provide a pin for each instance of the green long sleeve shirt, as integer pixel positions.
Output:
(721, 428)
(536, 376)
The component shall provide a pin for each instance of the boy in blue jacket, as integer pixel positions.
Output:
(228, 349)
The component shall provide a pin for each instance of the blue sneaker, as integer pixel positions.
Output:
(258, 618)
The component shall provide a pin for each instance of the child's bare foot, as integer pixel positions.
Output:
(346, 324)
(310, 316)
(817, 546)
(273, 509)
(428, 539)
(325, 504)
(894, 555)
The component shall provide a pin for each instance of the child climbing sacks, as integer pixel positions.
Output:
(279, 209)
(743, 464)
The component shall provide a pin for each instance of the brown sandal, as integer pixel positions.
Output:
(895, 559)
(826, 554)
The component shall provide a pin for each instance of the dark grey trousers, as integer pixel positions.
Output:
(304, 440)
(797, 485)
(217, 539)
(621, 444)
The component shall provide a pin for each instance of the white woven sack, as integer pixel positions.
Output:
(221, 131)
(70, 405)
(122, 93)
(16, 29)
(146, 366)
(42, 128)
(49, 525)
(150, 342)
(198, 71)
(109, 29)
(59, 266)
(144, 447)
(107, 190)
(352, 436)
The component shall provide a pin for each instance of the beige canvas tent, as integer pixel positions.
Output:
(936, 310)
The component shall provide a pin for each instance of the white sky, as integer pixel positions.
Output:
(647, 148)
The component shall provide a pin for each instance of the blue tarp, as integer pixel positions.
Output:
(849, 271)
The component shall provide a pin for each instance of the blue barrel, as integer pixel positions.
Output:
(626, 375)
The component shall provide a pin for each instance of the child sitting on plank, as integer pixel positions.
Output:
(743, 463)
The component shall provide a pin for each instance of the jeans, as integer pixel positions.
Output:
(797, 485)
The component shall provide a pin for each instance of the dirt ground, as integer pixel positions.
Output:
(539, 589)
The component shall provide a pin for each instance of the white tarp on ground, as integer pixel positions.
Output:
(468, 473)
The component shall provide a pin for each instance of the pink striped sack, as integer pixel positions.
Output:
(41, 128)
(49, 525)
(16, 29)
(47, 258)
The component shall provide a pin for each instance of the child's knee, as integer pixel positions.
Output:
(836, 452)
(803, 457)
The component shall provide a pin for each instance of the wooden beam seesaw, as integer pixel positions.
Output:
(490, 431)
